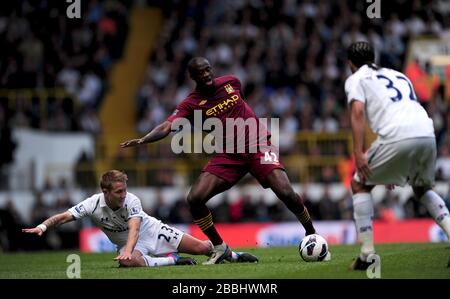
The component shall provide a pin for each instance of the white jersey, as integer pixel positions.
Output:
(114, 223)
(391, 106)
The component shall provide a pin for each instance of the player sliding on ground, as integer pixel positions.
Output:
(221, 98)
(405, 151)
(141, 240)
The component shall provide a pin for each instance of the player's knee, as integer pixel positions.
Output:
(287, 193)
(194, 198)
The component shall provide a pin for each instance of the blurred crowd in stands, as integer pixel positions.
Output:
(289, 56)
(43, 52)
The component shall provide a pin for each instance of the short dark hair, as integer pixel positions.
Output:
(361, 53)
(194, 62)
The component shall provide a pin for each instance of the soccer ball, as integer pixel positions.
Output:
(313, 248)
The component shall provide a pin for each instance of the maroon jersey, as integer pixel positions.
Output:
(225, 102)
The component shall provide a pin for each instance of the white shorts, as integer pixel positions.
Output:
(407, 161)
(159, 241)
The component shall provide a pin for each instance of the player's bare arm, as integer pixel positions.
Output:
(53, 221)
(358, 121)
(134, 224)
(159, 132)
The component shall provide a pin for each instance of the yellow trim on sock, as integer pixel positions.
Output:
(303, 216)
(205, 222)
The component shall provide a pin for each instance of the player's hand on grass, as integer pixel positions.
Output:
(363, 167)
(132, 142)
(35, 230)
(123, 256)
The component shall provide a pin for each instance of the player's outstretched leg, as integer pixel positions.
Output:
(206, 186)
(279, 182)
(140, 260)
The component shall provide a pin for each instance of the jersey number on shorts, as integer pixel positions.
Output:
(167, 238)
(398, 96)
(270, 157)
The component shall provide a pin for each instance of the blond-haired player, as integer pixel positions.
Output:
(141, 240)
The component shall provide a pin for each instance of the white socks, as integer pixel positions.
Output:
(437, 209)
(158, 261)
(363, 214)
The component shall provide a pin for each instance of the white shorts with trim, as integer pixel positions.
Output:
(159, 241)
(407, 161)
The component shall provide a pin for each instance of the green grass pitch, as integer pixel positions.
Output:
(397, 261)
